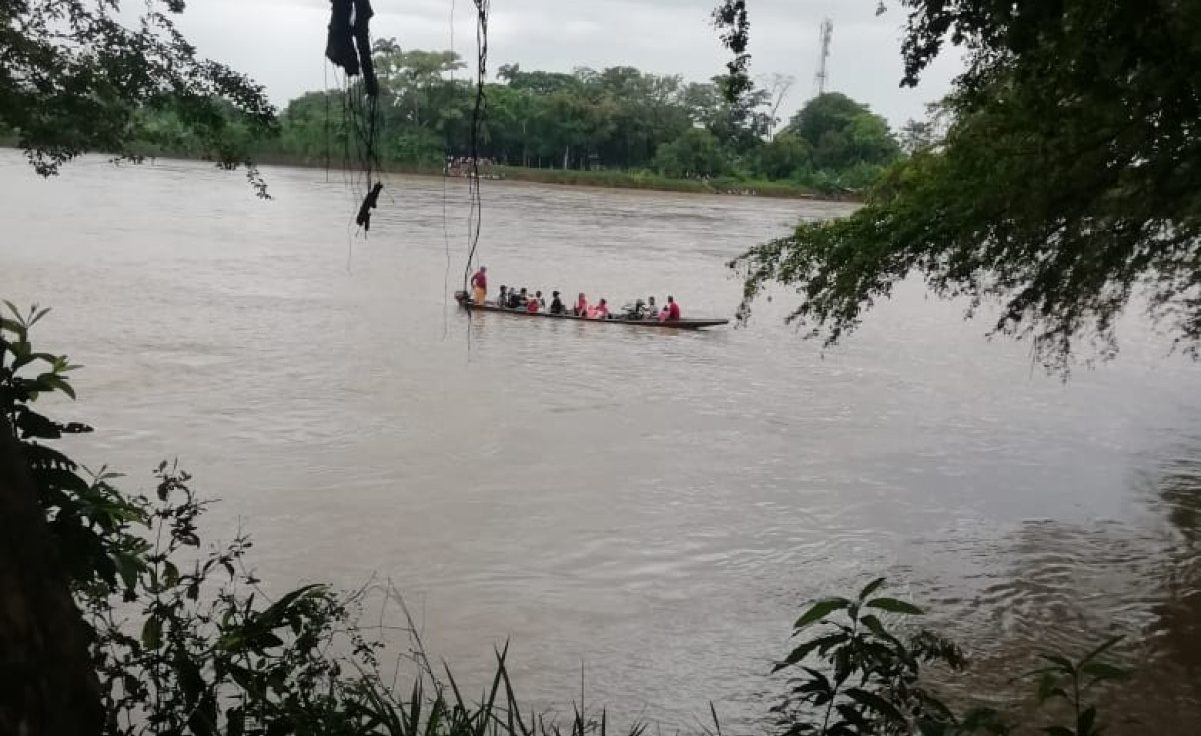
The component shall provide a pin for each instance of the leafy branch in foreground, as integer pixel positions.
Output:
(857, 675)
(1066, 185)
(74, 78)
(1071, 681)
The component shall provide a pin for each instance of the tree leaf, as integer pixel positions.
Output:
(235, 719)
(805, 648)
(871, 587)
(820, 610)
(1102, 672)
(152, 633)
(41, 313)
(892, 605)
(877, 703)
(852, 716)
(1086, 721)
(873, 624)
(1104, 647)
(1063, 663)
(272, 616)
(57, 383)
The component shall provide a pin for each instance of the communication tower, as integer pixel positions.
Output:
(823, 75)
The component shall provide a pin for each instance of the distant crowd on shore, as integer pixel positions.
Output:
(461, 166)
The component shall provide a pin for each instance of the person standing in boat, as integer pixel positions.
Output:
(479, 283)
(556, 304)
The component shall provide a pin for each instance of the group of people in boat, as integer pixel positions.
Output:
(524, 299)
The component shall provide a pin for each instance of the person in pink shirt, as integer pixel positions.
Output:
(673, 310)
(601, 311)
(581, 306)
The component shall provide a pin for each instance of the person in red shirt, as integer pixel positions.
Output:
(532, 305)
(479, 282)
(673, 310)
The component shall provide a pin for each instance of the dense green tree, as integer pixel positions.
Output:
(785, 156)
(613, 118)
(916, 135)
(417, 85)
(694, 154)
(1066, 184)
(843, 132)
(74, 79)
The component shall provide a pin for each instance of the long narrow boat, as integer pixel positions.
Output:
(679, 324)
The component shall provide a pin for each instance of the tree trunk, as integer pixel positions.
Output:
(47, 684)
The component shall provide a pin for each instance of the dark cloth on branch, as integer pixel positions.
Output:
(349, 41)
(370, 202)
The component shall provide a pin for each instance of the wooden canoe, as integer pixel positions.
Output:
(679, 324)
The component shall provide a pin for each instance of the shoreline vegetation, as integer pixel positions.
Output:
(603, 179)
(616, 128)
(727, 186)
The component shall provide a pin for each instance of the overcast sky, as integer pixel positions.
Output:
(281, 42)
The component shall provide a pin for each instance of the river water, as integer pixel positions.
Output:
(650, 508)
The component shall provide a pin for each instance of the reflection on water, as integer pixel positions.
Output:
(1071, 586)
(1177, 631)
(654, 506)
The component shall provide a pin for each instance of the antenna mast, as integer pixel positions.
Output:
(823, 75)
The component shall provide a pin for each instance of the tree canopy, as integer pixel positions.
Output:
(1068, 181)
(843, 133)
(75, 78)
(614, 118)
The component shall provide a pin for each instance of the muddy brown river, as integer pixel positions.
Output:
(653, 508)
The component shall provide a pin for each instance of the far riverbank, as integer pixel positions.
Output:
(606, 179)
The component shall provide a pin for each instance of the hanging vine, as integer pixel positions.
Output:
(477, 121)
(348, 46)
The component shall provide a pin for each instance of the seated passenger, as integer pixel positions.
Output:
(581, 306)
(532, 305)
(504, 296)
(602, 310)
(556, 304)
